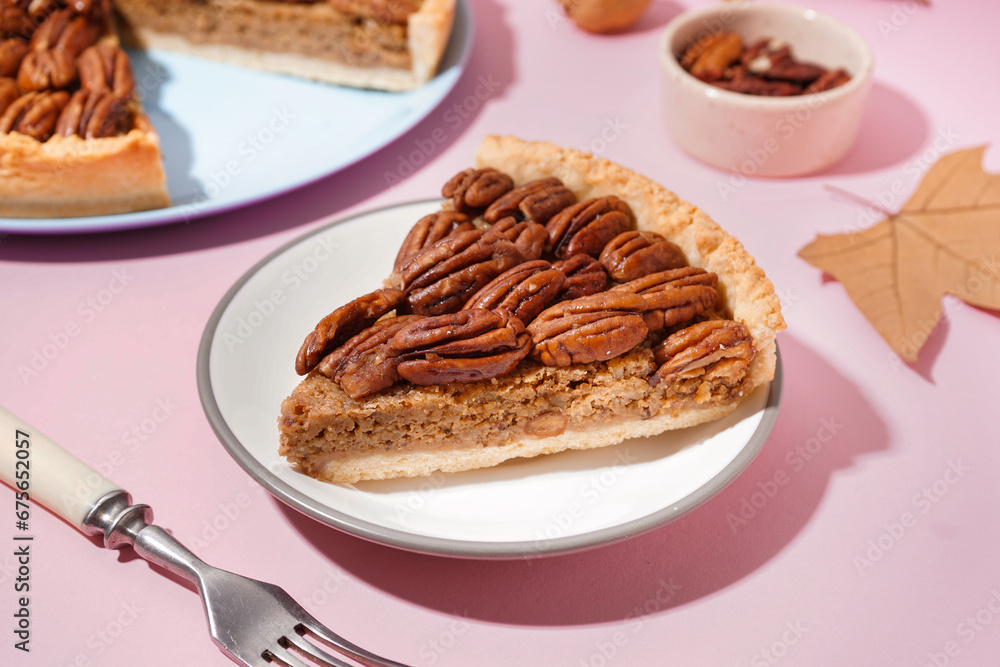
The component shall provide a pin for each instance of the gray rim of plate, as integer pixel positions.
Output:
(444, 546)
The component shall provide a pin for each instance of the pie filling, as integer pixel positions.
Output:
(362, 34)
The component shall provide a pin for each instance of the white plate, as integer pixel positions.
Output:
(232, 136)
(556, 503)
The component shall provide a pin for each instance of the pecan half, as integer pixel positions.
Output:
(585, 228)
(634, 254)
(535, 201)
(106, 67)
(429, 230)
(8, 93)
(673, 296)
(466, 346)
(66, 30)
(366, 363)
(472, 190)
(42, 70)
(342, 324)
(92, 114)
(528, 237)
(441, 278)
(525, 290)
(716, 55)
(15, 22)
(12, 52)
(592, 328)
(584, 276)
(34, 114)
(713, 350)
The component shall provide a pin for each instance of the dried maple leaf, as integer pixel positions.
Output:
(945, 240)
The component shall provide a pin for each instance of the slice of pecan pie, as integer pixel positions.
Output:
(557, 301)
(73, 136)
(382, 44)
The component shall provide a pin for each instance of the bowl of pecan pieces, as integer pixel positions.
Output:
(764, 89)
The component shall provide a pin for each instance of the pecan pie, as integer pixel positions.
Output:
(73, 138)
(558, 301)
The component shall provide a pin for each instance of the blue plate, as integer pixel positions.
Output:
(233, 136)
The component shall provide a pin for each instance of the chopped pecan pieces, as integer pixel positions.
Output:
(711, 350)
(586, 227)
(525, 290)
(34, 114)
(429, 230)
(106, 67)
(441, 278)
(535, 201)
(634, 254)
(366, 363)
(527, 237)
(674, 296)
(472, 190)
(592, 328)
(584, 276)
(342, 324)
(466, 346)
(92, 114)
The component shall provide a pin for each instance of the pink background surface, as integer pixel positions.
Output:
(824, 573)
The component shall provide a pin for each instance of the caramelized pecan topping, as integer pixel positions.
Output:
(106, 67)
(528, 237)
(15, 22)
(441, 278)
(584, 276)
(466, 346)
(716, 349)
(12, 52)
(366, 363)
(92, 114)
(66, 30)
(674, 296)
(429, 230)
(34, 114)
(8, 93)
(585, 228)
(525, 290)
(592, 328)
(342, 324)
(472, 190)
(634, 254)
(44, 70)
(536, 201)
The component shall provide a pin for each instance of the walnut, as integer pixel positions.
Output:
(585, 228)
(674, 296)
(106, 67)
(715, 350)
(429, 230)
(634, 254)
(536, 201)
(441, 278)
(525, 290)
(473, 190)
(34, 114)
(92, 114)
(466, 346)
(592, 328)
(342, 324)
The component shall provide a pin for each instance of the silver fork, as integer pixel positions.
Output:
(253, 622)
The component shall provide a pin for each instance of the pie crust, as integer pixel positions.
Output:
(410, 430)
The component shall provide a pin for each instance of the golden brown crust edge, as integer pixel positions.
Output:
(747, 293)
(70, 176)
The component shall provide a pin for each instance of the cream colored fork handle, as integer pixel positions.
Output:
(29, 461)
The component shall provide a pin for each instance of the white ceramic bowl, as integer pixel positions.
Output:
(766, 136)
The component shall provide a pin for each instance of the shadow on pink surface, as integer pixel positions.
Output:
(893, 129)
(825, 425)
(491, 61)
